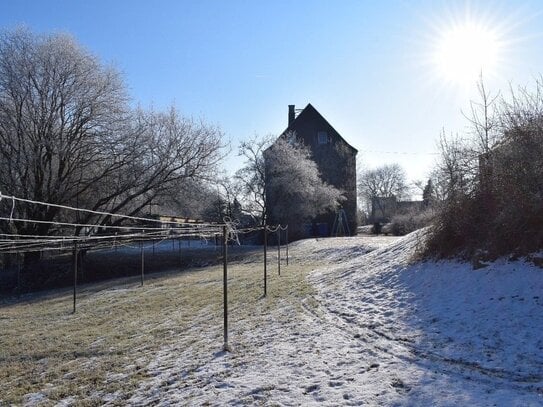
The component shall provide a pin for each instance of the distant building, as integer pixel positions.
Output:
(336, 161)
(383, 208)
(172, 221)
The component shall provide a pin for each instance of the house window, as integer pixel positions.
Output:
(322, 137)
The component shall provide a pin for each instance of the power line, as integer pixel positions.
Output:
(398, 152)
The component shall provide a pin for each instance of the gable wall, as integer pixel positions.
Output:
(336, 160)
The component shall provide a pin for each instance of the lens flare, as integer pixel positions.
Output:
(466, 50)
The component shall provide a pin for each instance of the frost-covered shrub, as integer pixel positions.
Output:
(295, 191)
(405, 223)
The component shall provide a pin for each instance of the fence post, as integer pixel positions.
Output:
(75, 273)
(279, 249)
(19, 261)
(225, 286)
(265, 259)
(180, 241)
(142, 250)
(286, 232)
(81, 269)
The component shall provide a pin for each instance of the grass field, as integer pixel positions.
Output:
(352, 321)
(101, 353)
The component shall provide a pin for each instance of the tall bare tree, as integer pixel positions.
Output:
(385, 181)
(165, 150)
(67, 135)
(252, 176)
(61, 116)
(484, 119)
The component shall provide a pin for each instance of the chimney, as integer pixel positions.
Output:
(291, 115)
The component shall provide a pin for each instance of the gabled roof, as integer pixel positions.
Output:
(308, 110)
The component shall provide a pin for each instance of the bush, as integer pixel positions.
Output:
(456, 230)
(405, 223)
(494, 196)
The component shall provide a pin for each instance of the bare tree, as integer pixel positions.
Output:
(224, 203)
(186, 198)
(377, 186)
(61, 113)
(457, 170)
(252, 176)
(385, 181)
(67, 135)
(484, 119)
(166, 150)
(464, 162)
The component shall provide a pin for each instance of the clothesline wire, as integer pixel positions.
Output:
(16, 243)
(54, 243)
(95, 212)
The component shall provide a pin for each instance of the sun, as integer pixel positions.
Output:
(466, 50)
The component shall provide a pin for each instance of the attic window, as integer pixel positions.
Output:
(322, 137)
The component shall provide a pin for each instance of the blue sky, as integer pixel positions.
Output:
(366, 66)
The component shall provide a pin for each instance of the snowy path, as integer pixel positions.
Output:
(444, 334)
(377, 331)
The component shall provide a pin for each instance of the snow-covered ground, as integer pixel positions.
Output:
(380, 329)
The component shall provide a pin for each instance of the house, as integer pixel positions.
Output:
(336, 161)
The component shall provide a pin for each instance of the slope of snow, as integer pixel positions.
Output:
(381, 330)
(449, 335)
(339, 249)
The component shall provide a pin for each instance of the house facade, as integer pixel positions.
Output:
(336, 161)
